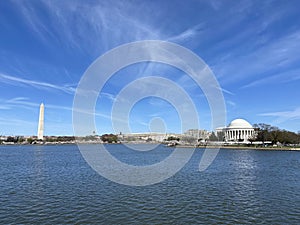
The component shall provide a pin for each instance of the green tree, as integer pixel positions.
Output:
(29, 140)
(189, 139)
(213, 137)
(172, 138)
(221, 136)
(267, 132)
(11, 139)
(109, 138)
(263, 132)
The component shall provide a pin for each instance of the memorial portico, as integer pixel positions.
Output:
(237, 130)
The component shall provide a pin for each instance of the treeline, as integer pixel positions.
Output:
(17, 139)
(59, 138)
(266, 132)
(109, 138)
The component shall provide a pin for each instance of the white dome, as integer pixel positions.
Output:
(239, 123)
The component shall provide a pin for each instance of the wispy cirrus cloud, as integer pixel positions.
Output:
(282, 116)
(269, 58)
(231, 103)
(109, 96)
(16, 122)
(94, 19)
(17, 81)
(17, 102)
(110, 26)
(25, 103)
(188, 34)
(282, 77)
(258, 48)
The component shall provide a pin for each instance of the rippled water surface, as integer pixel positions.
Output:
(54, 185)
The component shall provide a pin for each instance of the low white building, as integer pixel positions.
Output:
(198, 134)
(158, 137)
(239, 130)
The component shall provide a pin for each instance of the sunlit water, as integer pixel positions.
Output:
(54, 185)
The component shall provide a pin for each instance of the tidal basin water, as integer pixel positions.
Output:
(54, 185)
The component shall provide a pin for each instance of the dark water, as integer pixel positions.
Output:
(54, 185)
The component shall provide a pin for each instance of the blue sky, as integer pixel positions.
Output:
(46, 46)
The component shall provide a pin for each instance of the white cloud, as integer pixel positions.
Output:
(231, 103)
(109, 96)
(282, 77)
(226, 91)
(283, 116)
(17, 81)
(277, 54)
(21, 102)
(187, 34)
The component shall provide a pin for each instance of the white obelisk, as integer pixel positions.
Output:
(41, 123)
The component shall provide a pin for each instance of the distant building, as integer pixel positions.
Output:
(156, 137)
(198, 134)
(239, 130)
(41, 123)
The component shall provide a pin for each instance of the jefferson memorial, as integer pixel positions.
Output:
(238, 130)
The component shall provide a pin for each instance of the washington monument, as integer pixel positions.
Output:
(41, 123)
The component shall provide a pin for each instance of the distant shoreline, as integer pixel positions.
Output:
(285, 148)
(242, 147)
